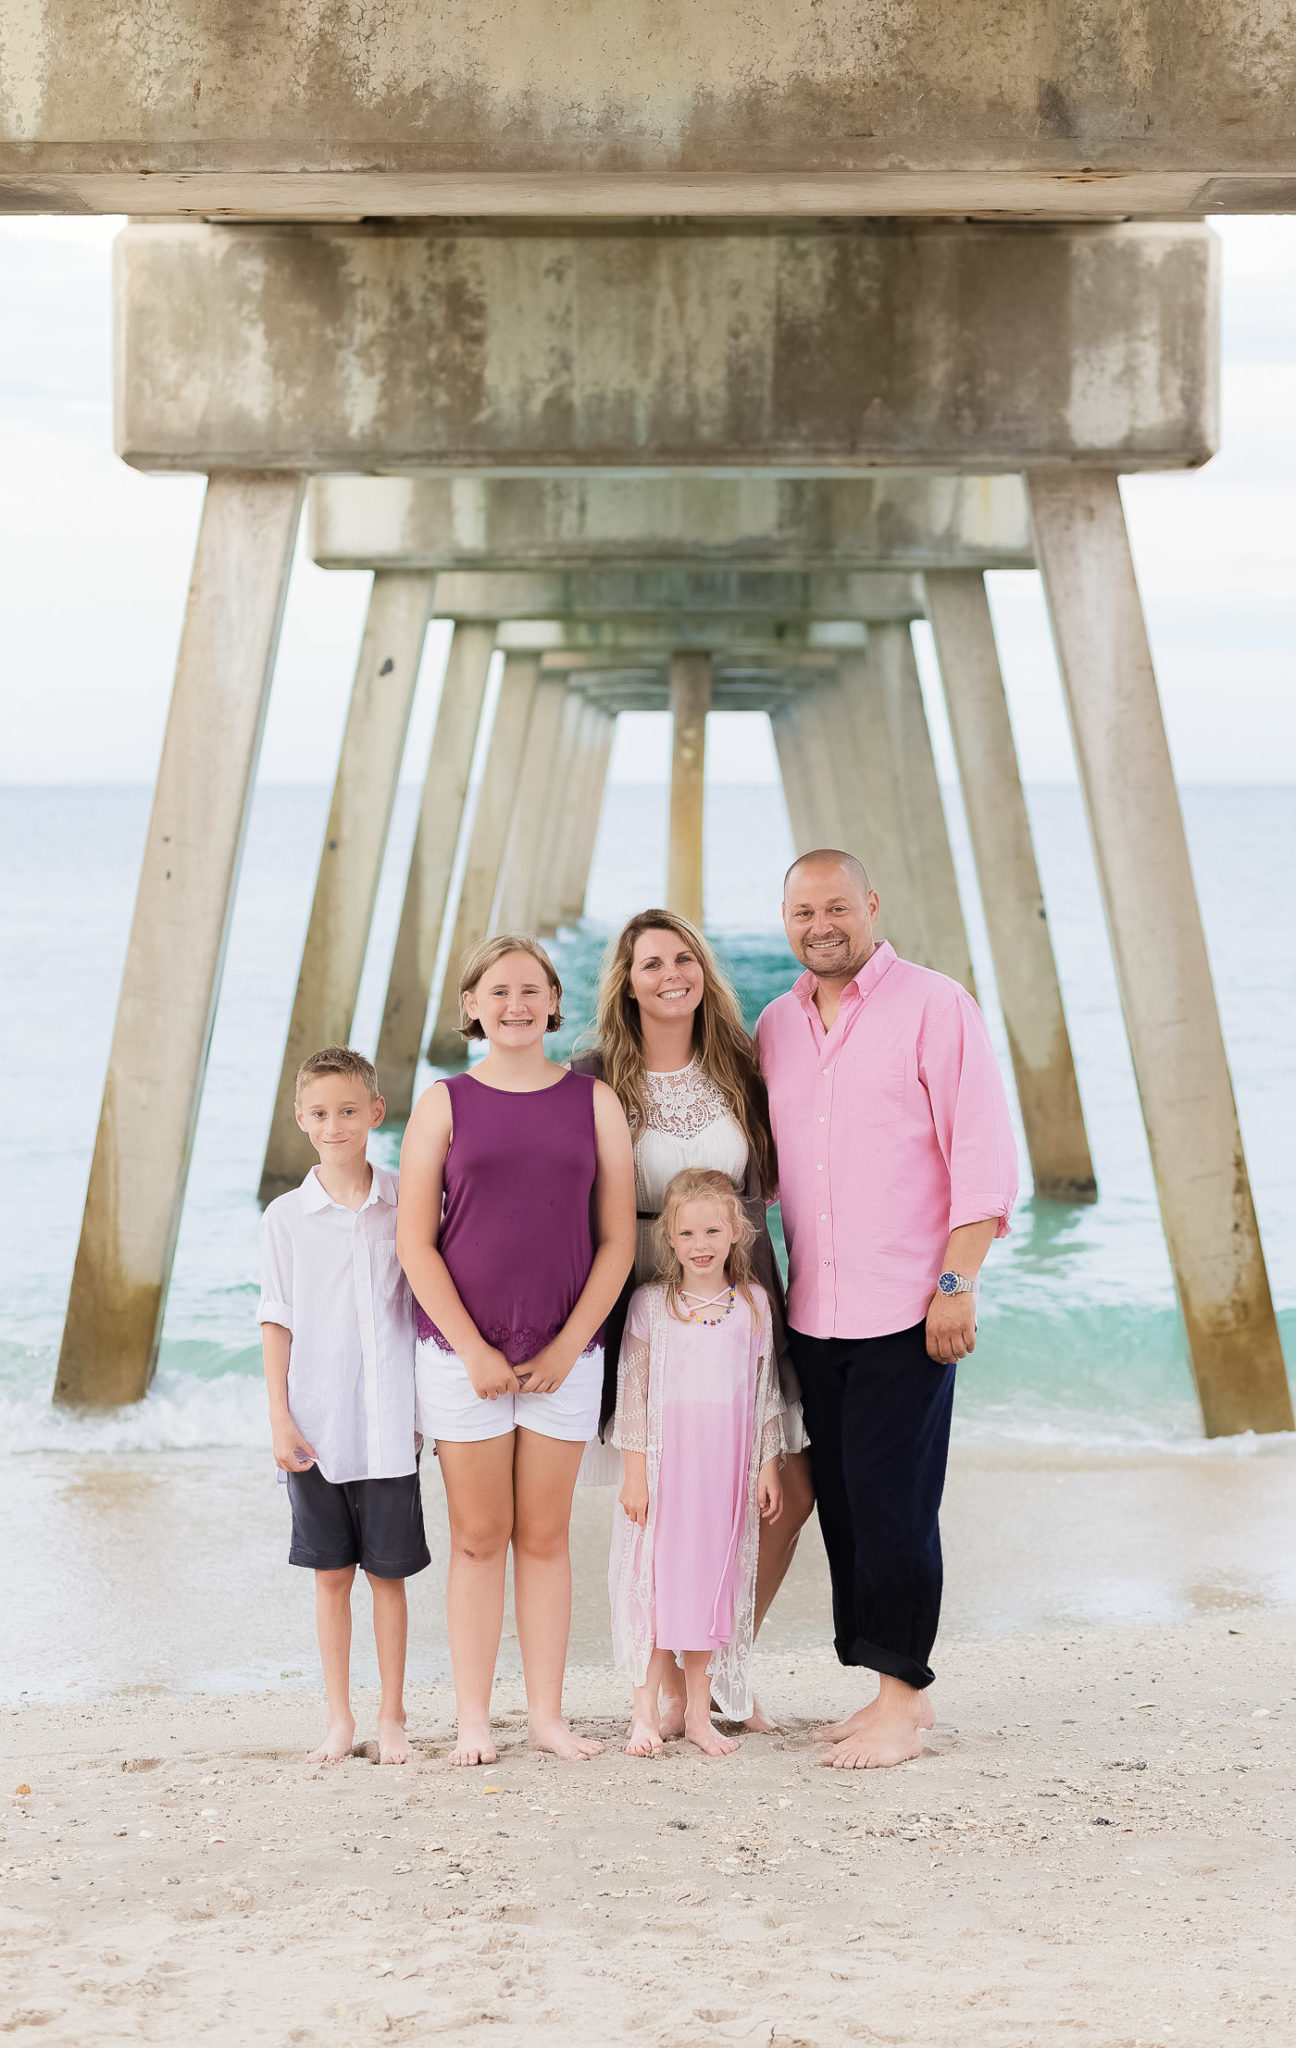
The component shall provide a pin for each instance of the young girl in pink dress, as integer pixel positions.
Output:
(698, 1423)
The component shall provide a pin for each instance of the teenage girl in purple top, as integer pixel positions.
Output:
(516, 1228)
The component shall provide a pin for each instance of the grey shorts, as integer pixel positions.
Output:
(375, 1523)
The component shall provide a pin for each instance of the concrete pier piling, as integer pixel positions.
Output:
(355, 841)
(586, 814)
(427, 885)
(523, 853)
(176, 950)
(492, 820)
(1003, 851)
(1162, 968)
(550, 884)
(690, 700)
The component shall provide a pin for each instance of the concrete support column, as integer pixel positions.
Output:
(354, 844)
(531, 815)
(794, 774)
(177, 943)
(496, 804)
(418, 936)
(875, 825)
(1025, 970)
(551, 873)
(690, 700)
(1160, 951)
(586, 814)
(920, 813)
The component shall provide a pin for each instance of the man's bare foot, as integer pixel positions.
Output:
(897, 1739)
(393, 1743)
(337, 1744)
(557, 1739)
(474, 1744)
(854, 1723)
(708, 1739)
(645, 1738)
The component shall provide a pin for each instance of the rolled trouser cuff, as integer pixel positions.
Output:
(891, 1663)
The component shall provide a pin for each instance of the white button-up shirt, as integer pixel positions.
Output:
(331, 1277)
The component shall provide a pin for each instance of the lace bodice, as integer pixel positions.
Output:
(688, 1124)
(685, 1103)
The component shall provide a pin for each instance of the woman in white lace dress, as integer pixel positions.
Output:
(671, 1043)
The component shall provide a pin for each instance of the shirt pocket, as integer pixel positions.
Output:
(880, 1093)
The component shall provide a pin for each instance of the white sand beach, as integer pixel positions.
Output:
(1097, 1849)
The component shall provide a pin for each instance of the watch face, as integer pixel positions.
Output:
(948, 1283)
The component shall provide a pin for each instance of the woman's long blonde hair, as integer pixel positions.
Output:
(702, 1184)
(720, 1041)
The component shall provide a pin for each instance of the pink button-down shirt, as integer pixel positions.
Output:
(892, 1130)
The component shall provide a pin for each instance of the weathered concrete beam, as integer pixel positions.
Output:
(743, 105)
(679, 592)
(805, 349)
(634, 637)
(498, 523)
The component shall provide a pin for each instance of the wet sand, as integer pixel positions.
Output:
(1097, 1849)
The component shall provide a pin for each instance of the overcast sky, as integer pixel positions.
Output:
(94, 562)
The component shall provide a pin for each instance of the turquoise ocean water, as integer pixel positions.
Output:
(1081, 1345)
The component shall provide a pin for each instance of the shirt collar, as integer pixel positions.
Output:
(315, 1196)
(879, 960)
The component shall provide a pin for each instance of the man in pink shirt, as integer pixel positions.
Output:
(897, 1170)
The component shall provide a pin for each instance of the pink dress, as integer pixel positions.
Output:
(702, 1401)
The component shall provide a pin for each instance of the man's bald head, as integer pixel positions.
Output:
(830, 857)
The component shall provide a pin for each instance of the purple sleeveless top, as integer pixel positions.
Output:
(515, 1221)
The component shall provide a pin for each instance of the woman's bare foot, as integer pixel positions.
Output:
(708, 1739)
(393, 1743)
(474, 1744)
(672, 1703)
(645, 1738)
(337, 1744)
(758, 1721)
(558, 1740)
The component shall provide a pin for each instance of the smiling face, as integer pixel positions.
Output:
(666, 978)
(702, 1238)
(337, 1113)
(513, 1002)
(829, 914)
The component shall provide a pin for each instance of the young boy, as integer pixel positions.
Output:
(337, 1331)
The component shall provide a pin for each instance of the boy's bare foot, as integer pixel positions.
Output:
(474, 1745)
(557, 1739)
(645, 1738)
(337, 1744)
(708, 1739)
(393, 1743)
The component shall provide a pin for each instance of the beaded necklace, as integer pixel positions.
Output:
(707, 1301)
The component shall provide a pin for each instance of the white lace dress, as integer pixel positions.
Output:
(701, 1401)
(689, 1123)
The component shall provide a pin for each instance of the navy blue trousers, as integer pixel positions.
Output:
(878, 1413)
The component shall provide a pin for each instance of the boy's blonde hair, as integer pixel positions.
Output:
(703, 1184)
(338, 1059)
(478, 964)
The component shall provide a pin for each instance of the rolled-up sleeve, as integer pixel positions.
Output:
(970, 1113)
(275, 1305)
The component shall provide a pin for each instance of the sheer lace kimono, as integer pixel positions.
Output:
(649, 1350)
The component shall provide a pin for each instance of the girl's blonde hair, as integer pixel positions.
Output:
(720, 1041)
(702, 1184)
(478, 964)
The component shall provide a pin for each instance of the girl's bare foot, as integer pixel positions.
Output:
(708, 1739)
(474, 1744)
(337, 1744)
(558, 1740)
(393, 1743)
(645, 1739)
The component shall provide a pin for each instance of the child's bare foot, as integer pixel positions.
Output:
(558, 1740)
(393, 1743)
(645, 1738)
(474, 1745)
(337, 1744)
(708, 1739)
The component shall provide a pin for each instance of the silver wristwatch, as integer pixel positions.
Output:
(954, 1283)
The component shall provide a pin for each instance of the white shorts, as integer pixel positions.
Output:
(448, 1407)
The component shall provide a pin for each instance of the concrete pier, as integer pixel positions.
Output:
(1011, 897)
(547, 902)
(492, 821)
(174, 958)
(586, 815)
(525, 849)
(355, 841)
(427, 886)
(1161, 964)
(690, 700)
